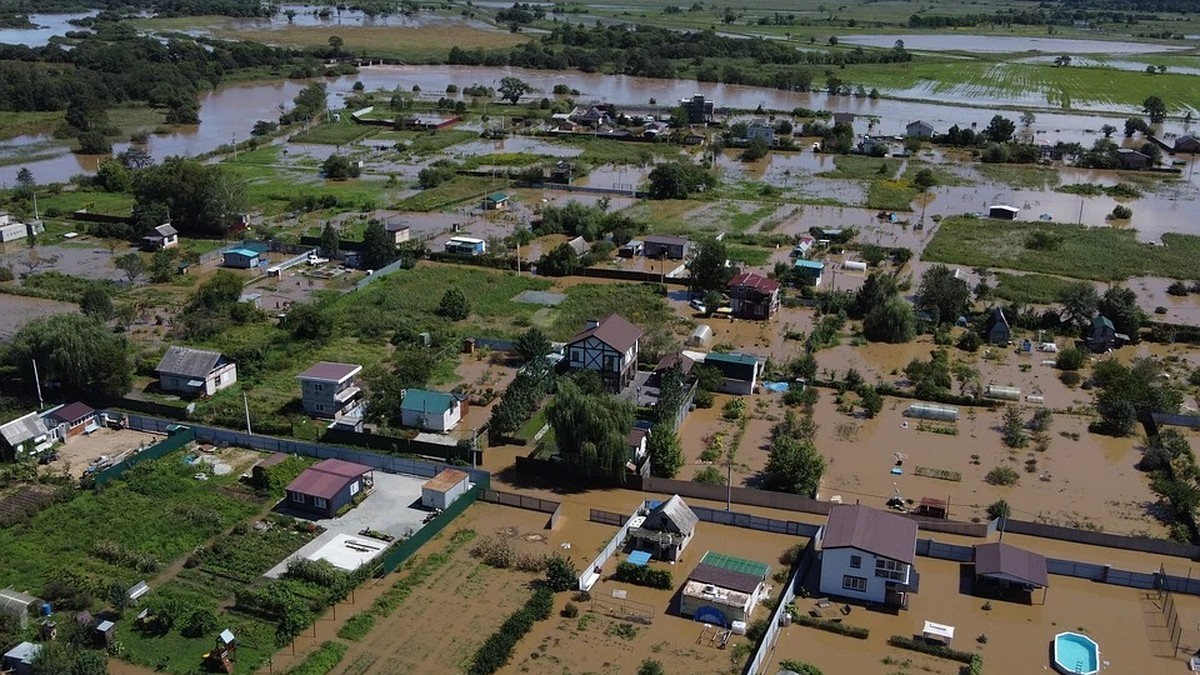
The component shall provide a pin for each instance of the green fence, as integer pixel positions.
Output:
(175, 441)
(396, 555)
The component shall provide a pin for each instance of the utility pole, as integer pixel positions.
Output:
(728, 480)
(37, 380)
(1081, 212)
(246, 407)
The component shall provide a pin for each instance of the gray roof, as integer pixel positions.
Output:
(166, 230)
(613, 331)
(665, 240)
(877, 532)
(328, 371)
(24, 652)
(579, 245)
(672, 515)
(22, 429)
(719, 576)
(1003, 561)
(197, 363)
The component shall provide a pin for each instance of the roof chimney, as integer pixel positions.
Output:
(592, 323)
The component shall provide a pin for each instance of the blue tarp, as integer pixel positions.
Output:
(777, 387)
(639, 558)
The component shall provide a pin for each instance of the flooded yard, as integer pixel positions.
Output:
(17, 310)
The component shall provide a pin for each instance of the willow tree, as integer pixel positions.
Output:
(590, 430)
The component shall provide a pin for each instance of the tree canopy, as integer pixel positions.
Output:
(793, 463)
(677, 180)
(75, 351)
(706, 269)
(942, 294)
(200, 199)
(590, 430)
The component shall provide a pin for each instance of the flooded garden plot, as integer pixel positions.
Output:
(1012, 637)
(17, 310)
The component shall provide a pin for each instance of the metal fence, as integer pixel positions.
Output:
(762, 654)
(753, 522)
(1103, 539)
(936, 549)
(397, 554)
(161, 449)
(388, 463)
(592, 572)
(378, 274)
(527, 502)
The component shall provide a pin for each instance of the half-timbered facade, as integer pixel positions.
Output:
(609, 347)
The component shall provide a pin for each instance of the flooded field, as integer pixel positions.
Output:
(47, 26)
(1005, 43)
(16, 311)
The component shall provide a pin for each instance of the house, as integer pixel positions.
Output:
(19, 660)
(753, 296)
(998, 331)
(466, 246)
(73, 419)
(399, 232)
(497, 201)
(1003, 212)
(325, 487)
(195, 372)
(1103, 335)
(809, 271)
(1009, 567)
(1132, 159)
(875, 146)
(12, 230)
(722, 589)
(919, 129)
(699, 109)
(761, 130)
(804, 246)
(868, 555)
(579, 245)
(26, 435)
(429, 122)
(431, 410)
(162, 237)
(740, 371)
(665, 246)
(843, 118)
(635, 443)
(1187, 143)
(632, 248)
(609, 347)
(240, 258)
(331, 390)
(440, 491)
(665, 530)
(592, 117)
(693, 139)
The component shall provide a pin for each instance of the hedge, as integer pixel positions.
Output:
(320, 662)
(644, 576)
(832, 626)
(934, 650)
(498, 648)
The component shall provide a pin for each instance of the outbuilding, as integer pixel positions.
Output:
(440, 491)
(723, 589)
(73, 419)
(497, 201)
(701, 336)
(1003, 212)
(739, 372)
(18, 605)
(240, 258)
(1009, 567)
(324, 488)
(811, 270)
(665, 530)
(919, 129)
(466, 246)
(431, 410)
(19, 660)
(666, 246)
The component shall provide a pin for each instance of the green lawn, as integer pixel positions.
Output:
(431, 142)
(753, 256)
(1103, 254)
(891, 195)
(1021, 176)
(636, 302)
(452, 192)
(69, 201)
(861, 167)
(333, 133)
(1039, 289)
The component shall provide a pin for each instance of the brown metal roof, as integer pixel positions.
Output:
(665, 240)
(1003, 561)
(327, 478)
(684, 362)
(877, 532)
(328, 371)
(613, 331)
(447, 479)
(71, 412)
(755, 282)
(719, 576)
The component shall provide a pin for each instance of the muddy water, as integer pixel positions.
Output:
(229, 113)
(16, 311)
(1005, 43)
(47, 26)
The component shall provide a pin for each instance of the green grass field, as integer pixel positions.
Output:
(69, 201)
(333, 133)
(1022, 176)
(1102, 254)
(1039, 289)
(460, 189)
(636, 302)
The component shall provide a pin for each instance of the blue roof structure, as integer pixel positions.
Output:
(639, 558)
(810, 264)
(425, 401)
(249, 253)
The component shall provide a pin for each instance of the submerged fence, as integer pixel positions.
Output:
(762, 653)
(180, 438)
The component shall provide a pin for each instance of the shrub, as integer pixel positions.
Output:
(709, 475)
(757, 629)
(800, 667)
(6, 274)
(845, 629)
(497, 649)
(932, 650)
(970, 341)
(1070, 359)
(357, 627)
(1069, 377)
(1121, 212)
(561, 575)
(999, 509)
(1002, 475)
(642, 575)
(320, 662)
(651, 667)
(570, 610)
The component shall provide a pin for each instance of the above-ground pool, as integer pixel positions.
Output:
(1076, 654)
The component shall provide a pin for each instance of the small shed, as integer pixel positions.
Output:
(632, 248)
(666, 530)
(931, 507)
(701, 336)
(18, 605)
(811, 270)
(440, 491)
(241, 258)
(1010, 567)
(19, 660)
(104, 633)
(1003, 212)
(937, 633)
(497, 201)
(999, 333)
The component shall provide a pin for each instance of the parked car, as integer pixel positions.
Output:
(699, 306)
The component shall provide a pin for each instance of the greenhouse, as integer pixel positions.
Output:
(932, 411)
(1002, 393)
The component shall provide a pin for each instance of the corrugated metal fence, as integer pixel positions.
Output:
(401, 551)
(753, 522)
(590, 573)
(527, 502)
(762, 654)
(161, 449)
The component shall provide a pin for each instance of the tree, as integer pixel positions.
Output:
(1070, 359)
(559, 261)
(942, 294)
(76, 351)
(331, 243)
(1014, 428)
(94, 143)
(378, 247)
(757, 149)
(532, 347)
(677, 180)
(666, 454)
(924, 180)
(335, 44)
(339, 167)
(25, 182)
(561, 575)
(1108, 130)
(706, 269)
(307, 322)
(454, 305)
(96, 303)
(999, 509)
(870, 400)
(1155, 109)
(131, 264)
(590, 430)
(1028, 118)
(1131, 393)
(1000, 129)
(162, 265)
(793, 463)
(1079, 301)
(892, 322)
(113, 176)
(199, 199)
(512, 89)
(1120, 305)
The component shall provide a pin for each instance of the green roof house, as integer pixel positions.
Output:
(740, 371)
(497, 201)
(431, 410)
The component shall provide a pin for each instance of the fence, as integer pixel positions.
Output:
(388, 463)
(403, 446)
(763, 652)
(379, 274)
(161, 449)
(397, 554)
(1102, 539)
(527, 502)
(753, 522)
(592, 572)
(936, 549)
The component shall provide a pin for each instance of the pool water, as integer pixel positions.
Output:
(1076, 654)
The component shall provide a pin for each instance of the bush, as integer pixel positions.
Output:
(970, 341)
(570, 610)
(642, 575)
(6, 274)
(1070, 359)
(932, 650)
(651, 667)
(1121, 212)
(357, 627)
(561, 575)
(800, 667)
(999, 509)
(320, 662)
(757, 629)
(845, 629)
(1002, 475)
(497, 649)
(1069, 378)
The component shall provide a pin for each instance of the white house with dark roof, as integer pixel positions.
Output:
(161, 237)
(609, 347)
(868, 555)
(195, 372)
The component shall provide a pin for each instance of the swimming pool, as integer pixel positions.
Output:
(1076, 654)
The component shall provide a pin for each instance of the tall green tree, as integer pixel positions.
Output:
(1155, 109)
(942, 294)
(666, 454)
(76, 351)
(331, 243)
(454, 305)
(1079, 301)
(892, 322)
(131, 264)
(378, 247)
(96, 303)
(532, 346)
(706, 269)
(793, 463)
(200, 199)
(511, 89)
(1120, 305)
(590, 430)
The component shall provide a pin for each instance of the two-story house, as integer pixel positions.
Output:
(867, 555)
(330, 389)
(753, 296)
(195, 372)
(609, 347)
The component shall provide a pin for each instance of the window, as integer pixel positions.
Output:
(320, 407)
(576, 355)
(857, 584)
(354, 488)
(318, 387)
(612, 363)
(856, 561)
(890, 569)
(297, 497)
(319, 503)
